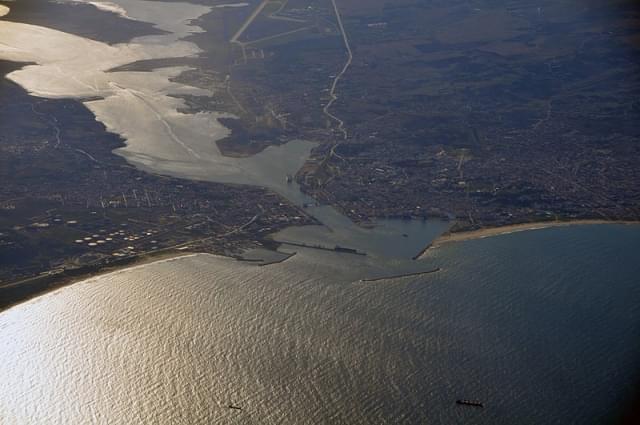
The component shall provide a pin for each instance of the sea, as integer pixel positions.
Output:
(541, 327)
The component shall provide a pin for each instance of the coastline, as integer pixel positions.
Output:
(488, 232)
(15, 293)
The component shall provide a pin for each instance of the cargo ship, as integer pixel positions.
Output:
(474, 403)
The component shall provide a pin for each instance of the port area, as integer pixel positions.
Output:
(499, 152)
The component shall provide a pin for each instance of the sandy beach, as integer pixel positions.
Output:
(503, 230)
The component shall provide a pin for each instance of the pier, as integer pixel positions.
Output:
(282, 260)
(337, 248)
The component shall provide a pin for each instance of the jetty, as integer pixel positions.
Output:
(422, 251)
(281, 260)
(396, 276)
(247, 260)
(337, 248)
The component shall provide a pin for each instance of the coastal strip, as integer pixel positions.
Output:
(513, 228)
(17, 292)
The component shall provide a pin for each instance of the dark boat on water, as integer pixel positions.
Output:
(473, 403)
(231, 406)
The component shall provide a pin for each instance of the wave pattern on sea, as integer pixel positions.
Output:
(544, 338)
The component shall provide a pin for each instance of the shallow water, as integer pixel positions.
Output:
(140, 107)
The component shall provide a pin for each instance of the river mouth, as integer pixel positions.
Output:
(144, 109)
(540, 326)
(392, 239)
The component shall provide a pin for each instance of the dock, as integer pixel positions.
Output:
(339, 249)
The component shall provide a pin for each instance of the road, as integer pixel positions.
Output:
(248, 22)
(332, 91)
